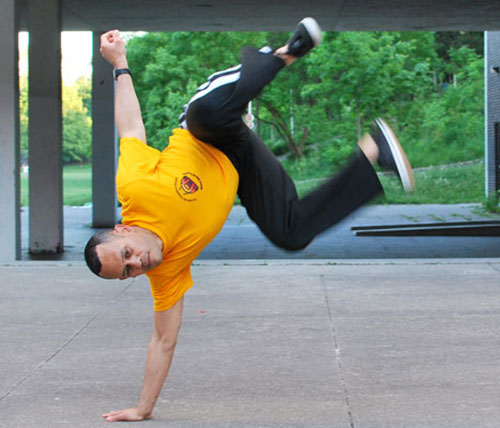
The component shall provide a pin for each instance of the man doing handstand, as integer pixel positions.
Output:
(175, 202)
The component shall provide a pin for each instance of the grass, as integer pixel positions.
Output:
(77, 185)
(435, 185)
(440, 185)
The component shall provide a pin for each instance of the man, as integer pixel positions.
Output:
(175, 202)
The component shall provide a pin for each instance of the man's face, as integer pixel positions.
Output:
(131, 251)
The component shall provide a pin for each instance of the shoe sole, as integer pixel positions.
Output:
(313, 29)
(402, 164)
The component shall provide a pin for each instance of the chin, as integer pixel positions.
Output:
(155, 261)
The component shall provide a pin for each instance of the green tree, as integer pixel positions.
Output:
(170, 66)
(448, 125)
(326, 100)
(365, 73)
(77, 125)
(23, 116)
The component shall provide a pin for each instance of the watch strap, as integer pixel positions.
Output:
(119, 71)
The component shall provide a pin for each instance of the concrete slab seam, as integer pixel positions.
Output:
(494, 267)
(113, 300)
(338, 357)
(285, 262)
(346, 262)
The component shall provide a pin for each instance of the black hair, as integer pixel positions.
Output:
(91, 256)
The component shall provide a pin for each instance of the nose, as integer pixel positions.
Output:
(135, 266)
(136, 262)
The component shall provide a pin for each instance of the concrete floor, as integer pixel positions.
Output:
(283, 343)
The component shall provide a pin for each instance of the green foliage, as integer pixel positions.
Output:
(429, 86)
(366, 73)
(77, 137)
(77, 125)
(23, 116)
(168, 67)
(332, 95)
(448, 126)
(491, 204)
(445, 40)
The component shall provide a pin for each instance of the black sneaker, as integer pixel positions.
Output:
(391, 154)
(307, 35)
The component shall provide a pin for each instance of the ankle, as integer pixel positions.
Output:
(282, 53)
(369, 148)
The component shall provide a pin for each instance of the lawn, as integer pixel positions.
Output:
(435, 185)
(77, 185)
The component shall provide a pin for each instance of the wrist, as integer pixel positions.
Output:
(144, 411)
(120, 63)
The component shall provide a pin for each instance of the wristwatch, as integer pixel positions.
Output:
(118, 71)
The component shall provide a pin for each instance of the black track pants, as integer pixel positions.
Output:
(214, 115)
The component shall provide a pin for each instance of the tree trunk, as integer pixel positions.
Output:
(296, 148)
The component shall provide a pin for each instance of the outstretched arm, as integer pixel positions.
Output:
(160, 354)
(127, 109)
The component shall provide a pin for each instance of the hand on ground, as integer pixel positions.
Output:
(131, 415)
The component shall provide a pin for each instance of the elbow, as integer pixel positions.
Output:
(166, 344)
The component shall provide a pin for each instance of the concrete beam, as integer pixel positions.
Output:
(260, 15)
(45, 128)
(103, 141)
(10, 235)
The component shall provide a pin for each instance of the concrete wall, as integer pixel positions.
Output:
(9, 133)
(492, 111)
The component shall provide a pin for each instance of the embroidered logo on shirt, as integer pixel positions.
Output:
(187, 186)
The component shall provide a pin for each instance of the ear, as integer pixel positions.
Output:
(122, 228)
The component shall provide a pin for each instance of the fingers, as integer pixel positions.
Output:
(110, 37)
(115, 416)
(114, 413)
(113, 49)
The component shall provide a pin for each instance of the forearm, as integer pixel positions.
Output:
(158, 363)
(160, 355)
(128, 115)
(127, 109)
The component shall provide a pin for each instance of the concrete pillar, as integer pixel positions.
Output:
(9, 134)
(103, 141)
(492, 110)
(45, 127)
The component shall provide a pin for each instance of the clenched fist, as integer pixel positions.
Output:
(113, 49)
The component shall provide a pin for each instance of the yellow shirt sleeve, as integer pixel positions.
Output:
(136, 155)
(169, 284)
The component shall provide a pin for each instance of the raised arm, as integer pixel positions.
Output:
(127, 109)
(160, 355)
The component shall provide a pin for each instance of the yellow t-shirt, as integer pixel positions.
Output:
(184, 195)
